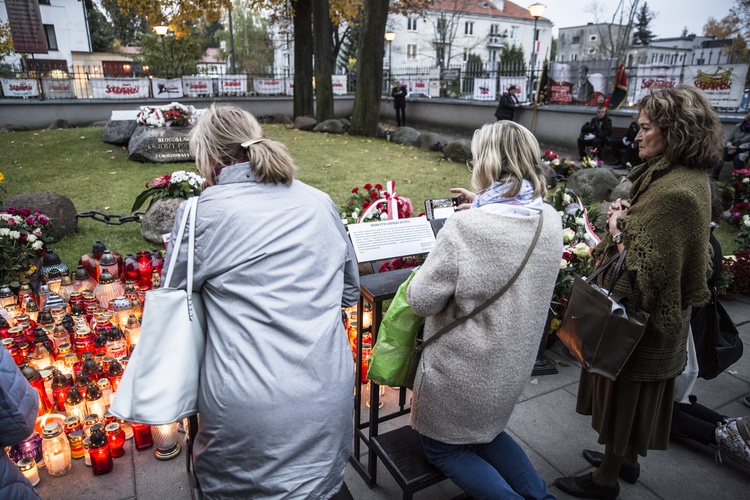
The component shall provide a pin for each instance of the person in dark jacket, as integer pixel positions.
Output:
(508, 104)
(399, 103)
(626, 149)
(19, 403)
(596, 133)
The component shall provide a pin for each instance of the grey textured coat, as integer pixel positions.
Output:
(19, 403)
(471, 378)
(274, 267)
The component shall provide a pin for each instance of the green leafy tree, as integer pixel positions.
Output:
(643, 34)
(182, 54)
(127, 24)
(100, 29)
(6, 41)
(253, 50)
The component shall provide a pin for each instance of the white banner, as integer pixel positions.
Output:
(723, 85)
(484, 89)
(420, 85)
(339, 84)
(290, 86)
(19, 88)
(119, 88)
(197, 86)
(233, 84)
(434, 88)
(268, 86)
(166, 89)
(653, 77)
(520, 82)
(58, 88)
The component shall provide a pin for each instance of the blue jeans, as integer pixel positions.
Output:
(497, 470)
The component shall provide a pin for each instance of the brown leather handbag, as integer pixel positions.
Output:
(601, 328)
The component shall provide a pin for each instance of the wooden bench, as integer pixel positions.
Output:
(401, 452)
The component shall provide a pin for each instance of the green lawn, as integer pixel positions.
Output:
(98, 176)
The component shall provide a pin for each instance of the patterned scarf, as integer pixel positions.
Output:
(524, 198)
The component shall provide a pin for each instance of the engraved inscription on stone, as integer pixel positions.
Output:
(160, 145)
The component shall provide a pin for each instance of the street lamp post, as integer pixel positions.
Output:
(161, 32)
(389, 37)
(536, 10)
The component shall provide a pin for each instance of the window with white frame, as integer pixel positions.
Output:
(514, 32)
(411, 51)
(493, 55)
(411, 24)
(469, 28)
(466, 55)
(494, 29)
(593, 38)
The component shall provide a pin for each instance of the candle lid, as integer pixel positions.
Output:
(52, 430)
(26, 463)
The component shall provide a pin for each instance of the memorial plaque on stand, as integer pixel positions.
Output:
(160, 145)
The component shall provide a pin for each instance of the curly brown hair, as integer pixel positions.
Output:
(693, 134)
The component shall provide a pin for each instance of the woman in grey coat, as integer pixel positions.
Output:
(470, 379)
(274, 267)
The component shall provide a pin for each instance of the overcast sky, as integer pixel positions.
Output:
(671, 15)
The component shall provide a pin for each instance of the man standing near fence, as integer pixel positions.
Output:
(508, 104)
(399, 103)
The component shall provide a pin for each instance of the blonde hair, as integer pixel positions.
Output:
(226, 134)
(693, 134)
(505, 151)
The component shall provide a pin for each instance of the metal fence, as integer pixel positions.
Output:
(54, 80)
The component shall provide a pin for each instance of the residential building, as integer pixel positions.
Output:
(65, 30)
(588, 42)
(451, 31)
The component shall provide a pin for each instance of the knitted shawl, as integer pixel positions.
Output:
(666, 232)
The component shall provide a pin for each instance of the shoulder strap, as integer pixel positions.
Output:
(187, 222)
(494, 297)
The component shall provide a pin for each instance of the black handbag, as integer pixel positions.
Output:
(601, 328)
(420, 343)
(717, 341)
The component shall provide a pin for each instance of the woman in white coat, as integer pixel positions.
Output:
(274, 267)
(470, 378)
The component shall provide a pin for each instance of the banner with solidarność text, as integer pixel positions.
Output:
(119, 88)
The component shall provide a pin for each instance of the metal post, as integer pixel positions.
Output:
(533, 62)
(164, 56)
(390, 68)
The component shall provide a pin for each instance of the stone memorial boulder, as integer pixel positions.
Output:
(60, 210)
(160, 145)
(306, 123)
(596, 182)
(405, 135)
(622, 190)
(159, 219)
(281, 118)
(458, 150)
(332, 126)
(118, 132)
(429, 141)
(550, 175)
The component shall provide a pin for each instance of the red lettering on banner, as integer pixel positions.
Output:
(198, 85)
(20, 86)
(111, 89)
(61, 87)
(232, 83)
(657, 83)
(419, 85)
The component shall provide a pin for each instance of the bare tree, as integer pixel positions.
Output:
(445, 28)
(614, 36)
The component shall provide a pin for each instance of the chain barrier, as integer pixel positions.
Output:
(111, 219)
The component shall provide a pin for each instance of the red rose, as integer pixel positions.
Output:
(368, 186)
(365, 204)
(355, 190)
(378, 186)
(373, 195)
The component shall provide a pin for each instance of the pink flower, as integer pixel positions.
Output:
(11, 221)
(37, 232)
(24, 212)
(43, 220)
(161, 181)
(24, 236)
(11, 210)
(38, 212)
(30, 220)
